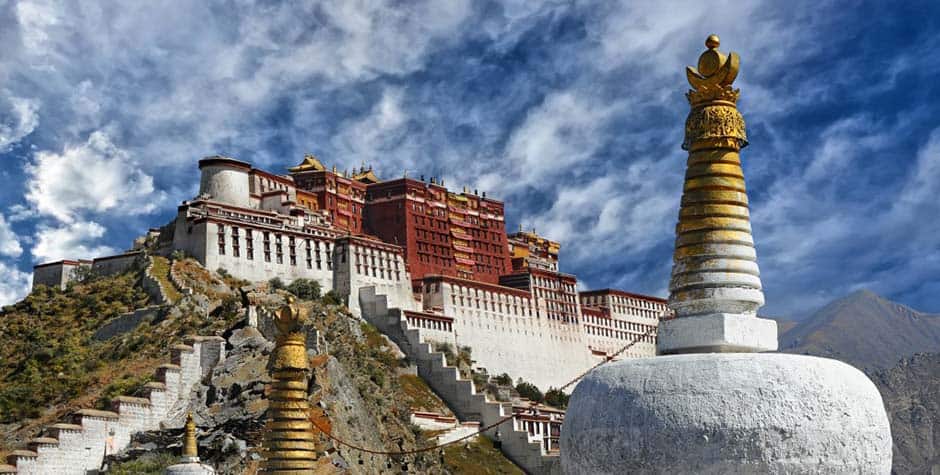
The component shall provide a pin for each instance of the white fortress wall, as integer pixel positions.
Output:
(261, 254)
(366, 264)
(613, 319)
(507, 336)
(116, 264)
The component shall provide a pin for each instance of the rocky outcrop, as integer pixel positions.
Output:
(910, 392)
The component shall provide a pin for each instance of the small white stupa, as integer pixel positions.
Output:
(189, 461)
(715, 404)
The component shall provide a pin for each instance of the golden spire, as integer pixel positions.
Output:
(190, 448)
(288, 445)
(715, 274)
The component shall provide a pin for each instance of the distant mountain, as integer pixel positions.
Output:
(910, 392)
(784, 324)
(865, 330)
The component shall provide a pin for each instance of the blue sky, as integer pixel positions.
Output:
(571, 112)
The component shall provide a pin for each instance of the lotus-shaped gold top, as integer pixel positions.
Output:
(715, 69)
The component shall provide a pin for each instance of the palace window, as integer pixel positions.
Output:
(267, 246)
(235, 243)
(309, 256)
(221, 240)
(292, 249)
(278, 249)
(249, 245)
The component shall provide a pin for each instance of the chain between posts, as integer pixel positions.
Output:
(483, 429)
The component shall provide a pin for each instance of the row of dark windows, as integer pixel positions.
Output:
(311, 248)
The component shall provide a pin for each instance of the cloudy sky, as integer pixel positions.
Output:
(572, 112)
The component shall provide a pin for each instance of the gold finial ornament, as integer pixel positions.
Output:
(715, 274)
(714, 119)
(289, 439)
(190, 448)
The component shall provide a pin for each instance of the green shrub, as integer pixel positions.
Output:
(305, 289)
(276, 284)
(529, 391)
(556, 398)
(332, 298)
(503, 380)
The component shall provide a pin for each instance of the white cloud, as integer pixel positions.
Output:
(14, 285)
(624, 214)
(9, 241)
(73, 241)
(96, 176)
(924, 184)
(18, 118)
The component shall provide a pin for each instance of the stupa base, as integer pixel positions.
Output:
(717, 333)
(189, 469)
(727, 413)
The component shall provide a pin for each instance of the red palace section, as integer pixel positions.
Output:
(443, 233)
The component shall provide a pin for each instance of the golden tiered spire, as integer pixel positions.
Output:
(289, 437)
(715, 273)
(190, 448)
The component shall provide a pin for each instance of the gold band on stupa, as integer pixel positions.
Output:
(289, 439)
(714, 266)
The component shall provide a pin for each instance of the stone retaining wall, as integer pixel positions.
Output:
(127, 322)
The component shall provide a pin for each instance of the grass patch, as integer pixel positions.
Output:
(419, 395)
(479, 457)
(160, 270)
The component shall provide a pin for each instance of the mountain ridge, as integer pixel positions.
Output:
(865, 330)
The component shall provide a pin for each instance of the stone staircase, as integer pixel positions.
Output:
(80, 446)
(458, 432)
(460, 394)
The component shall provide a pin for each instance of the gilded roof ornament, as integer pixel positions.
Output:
(309, 163)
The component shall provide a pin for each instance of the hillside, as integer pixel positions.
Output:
(910, 391)
(50, 362)
(53, 364)
(865, 330)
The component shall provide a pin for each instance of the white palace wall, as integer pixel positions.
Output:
(363, 264)
(506, 335)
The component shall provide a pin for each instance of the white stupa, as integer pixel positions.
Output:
(189, 461)
(715, 403)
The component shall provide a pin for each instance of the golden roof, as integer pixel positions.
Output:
(366, 176)
(309, 164)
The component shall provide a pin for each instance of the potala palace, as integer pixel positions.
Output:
(443, 259)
